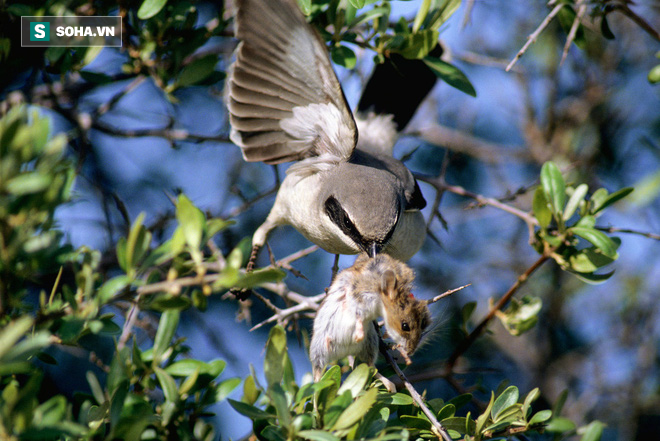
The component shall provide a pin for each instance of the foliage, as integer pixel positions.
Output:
(146, 393)
(358, 407)
(555, 205)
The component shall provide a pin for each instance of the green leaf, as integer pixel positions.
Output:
(415, 46)
(397, 399)
(149, 8)
(13, 332)
(164, 302)
(305, 6)
(574, 201)
(598, 198)
(357, 3)
(317, 435)
(186, 367)
(532, 396)
(554, 187)
(169, 321)
(506, 399)
(422, 12)
(137, 242)
(468, 310)
(612, 198)
(275, 351)
(461, 400)
(369, 15)
(484, 417)
(50, 412)
(259, 277)
(28, 183)
(197, 71)
(273, 433)
(560, 425)
(589, 259)
(593, 431)
(587, 221)
(462, 425)
(117, 402)
(599, 239)
(278, 400)
(356, 380)
(168, 384)
(250, 391)
(192, 221)
(416, 422)
(249, 411)
(654, 75)
(336, 407)
(112, 287)
(225, 388)
(356, 410)
(440, 15)
(591, 278)
(447, 411)
(540, 207)
(521, 315)
(343, 56)
(540, 417)
(451, 75)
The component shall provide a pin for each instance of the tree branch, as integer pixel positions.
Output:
(437, 428)
(534, 35)
(476, 332)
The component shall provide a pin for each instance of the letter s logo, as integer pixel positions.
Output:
(40, 31)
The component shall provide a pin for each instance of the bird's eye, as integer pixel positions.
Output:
(405, 327)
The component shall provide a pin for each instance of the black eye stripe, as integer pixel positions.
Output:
(340, 218)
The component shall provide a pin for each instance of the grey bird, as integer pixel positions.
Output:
(346, 193)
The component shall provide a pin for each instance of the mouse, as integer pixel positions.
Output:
(371, 288)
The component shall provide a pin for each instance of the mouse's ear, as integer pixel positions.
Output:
(388, 283)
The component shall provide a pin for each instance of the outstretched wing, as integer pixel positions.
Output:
(285, 102)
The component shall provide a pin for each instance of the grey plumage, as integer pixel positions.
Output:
(286, 104)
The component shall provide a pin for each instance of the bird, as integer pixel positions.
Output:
(344, 192)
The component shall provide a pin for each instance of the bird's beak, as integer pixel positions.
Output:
(374, 249)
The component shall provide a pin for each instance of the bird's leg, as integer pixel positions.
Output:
(253, 258)
(245, 293)
(391, 387)
(335, 268)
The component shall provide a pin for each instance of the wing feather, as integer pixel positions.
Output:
(285, 102)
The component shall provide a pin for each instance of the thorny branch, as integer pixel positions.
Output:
(476, 332)
(534, 35)
(573, 31)
(437, 428)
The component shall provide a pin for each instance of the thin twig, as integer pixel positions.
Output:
(629, 231)
(476, 332)
(573, 31)
(534, 35)
(483, 200)
(438, 429)
(446, 294)
(129, 323)
(625, 10)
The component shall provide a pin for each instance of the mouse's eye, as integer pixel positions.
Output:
(405, 327)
